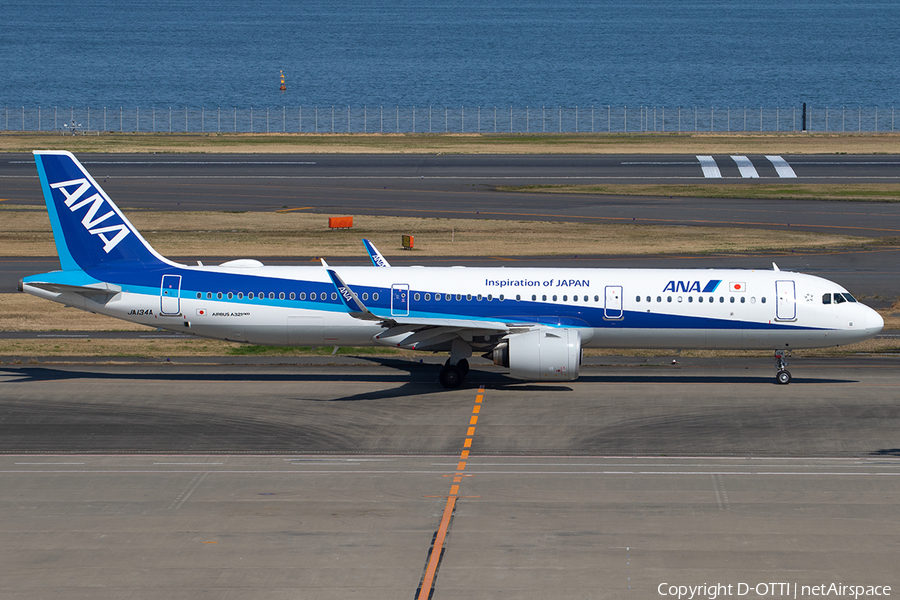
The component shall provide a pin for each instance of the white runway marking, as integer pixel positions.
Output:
(709, 166)
(748, 171)
(781, 167)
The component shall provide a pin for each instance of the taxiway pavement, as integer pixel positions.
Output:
(330, 481)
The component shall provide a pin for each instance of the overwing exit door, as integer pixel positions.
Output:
(400, 300)
(612, 307)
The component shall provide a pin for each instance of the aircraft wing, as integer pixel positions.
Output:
(412, 332)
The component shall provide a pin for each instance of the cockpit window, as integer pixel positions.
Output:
(826, 298)
(839, 298)
(849, 297)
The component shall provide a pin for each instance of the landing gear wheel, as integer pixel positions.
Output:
(450, 377)
(463, 366)
(783, 377)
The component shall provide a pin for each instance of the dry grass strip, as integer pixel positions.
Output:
(306, 236)
(455, 143)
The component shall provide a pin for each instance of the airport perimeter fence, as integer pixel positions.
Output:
(446, 119)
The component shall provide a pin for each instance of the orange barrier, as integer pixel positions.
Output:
(340, 222)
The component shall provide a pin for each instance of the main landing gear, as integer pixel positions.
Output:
(783, 376)
(457, 367)
(451, 376)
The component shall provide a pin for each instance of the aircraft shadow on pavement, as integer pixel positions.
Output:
(886, 452)
(412, 374)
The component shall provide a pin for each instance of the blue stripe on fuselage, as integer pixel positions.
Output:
(144, 281)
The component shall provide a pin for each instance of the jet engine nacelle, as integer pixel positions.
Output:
(541, 355)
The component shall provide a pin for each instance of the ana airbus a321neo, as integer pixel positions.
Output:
(535, 322)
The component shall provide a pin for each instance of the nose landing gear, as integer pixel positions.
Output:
(783, 376)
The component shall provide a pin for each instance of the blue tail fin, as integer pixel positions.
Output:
(88, 227)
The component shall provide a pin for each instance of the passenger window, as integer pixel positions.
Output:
(648, 298)
(199, 295)
(690, 298)
(240, 295)
(262, 295)
(312, 295)
(468, 297)
(680, 299)
(752, 299)
(565, 298)
(219, 296)
(659, 298)
(596, 298)
(375, 296)
(281, 295)
(230, 296)
(427, 297)
(668, 298)
(554, 297)
(208, 295)
(293, 296)
(544, 297)
(533, 297)
(732, 299)
(334, 295)
(637, 298)
(271, 295)
(250, 295)
(763, 299)
(303, 295)
(500, 298)
(743, 299)
(458, 297)
(416, 296)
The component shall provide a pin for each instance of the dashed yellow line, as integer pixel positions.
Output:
(440, 536)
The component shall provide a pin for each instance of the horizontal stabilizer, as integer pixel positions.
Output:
(100, 289)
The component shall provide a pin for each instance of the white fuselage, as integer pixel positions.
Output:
(612, 308)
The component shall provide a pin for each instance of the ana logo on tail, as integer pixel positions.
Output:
(90, 221)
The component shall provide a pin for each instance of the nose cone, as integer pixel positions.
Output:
(874, 323)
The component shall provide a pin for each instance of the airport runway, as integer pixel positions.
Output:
(330, 481)
(461, 186)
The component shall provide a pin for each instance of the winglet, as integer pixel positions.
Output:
(377, 259)
(775, 267)
(354, 305)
